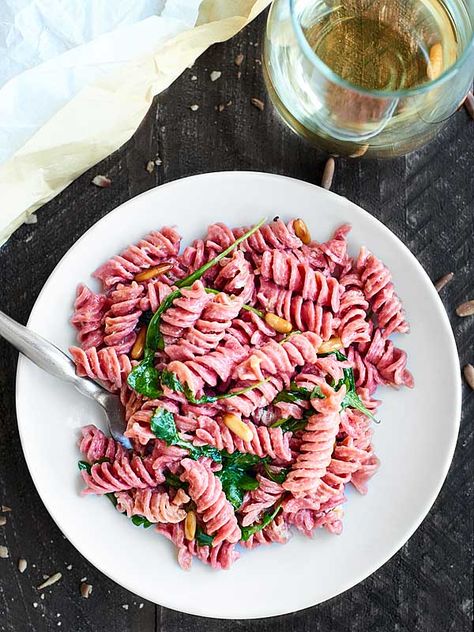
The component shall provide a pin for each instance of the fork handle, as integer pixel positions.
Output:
(46, 356)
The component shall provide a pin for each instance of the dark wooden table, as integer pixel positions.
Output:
(427, 199)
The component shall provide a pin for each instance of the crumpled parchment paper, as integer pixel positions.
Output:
(77, 78)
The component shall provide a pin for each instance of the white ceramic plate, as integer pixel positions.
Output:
(415, 440)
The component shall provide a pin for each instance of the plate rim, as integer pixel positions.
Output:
(457, 395)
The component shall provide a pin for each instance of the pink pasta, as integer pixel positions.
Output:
(156, 247)
(242, 427)
(265, 442)
(105, 365)
(122, 318)
(153, 504)
(88, 317)
(211, 504)
(317, 446)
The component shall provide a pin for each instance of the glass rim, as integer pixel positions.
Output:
(386, 94)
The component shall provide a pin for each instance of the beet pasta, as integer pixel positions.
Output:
(247, 365)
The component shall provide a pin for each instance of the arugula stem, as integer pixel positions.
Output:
(189, 280)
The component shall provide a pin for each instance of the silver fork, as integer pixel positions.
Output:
(52, 360)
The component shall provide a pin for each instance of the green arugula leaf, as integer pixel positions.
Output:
(195, 452)
(144, 378)
(289, 424)
(243, 460)
(249, 531)
(236, 476)
(163, 426)
(351, 398)
(189, 280)
(112, 499)
(276, 477)
(141, 521)
(297, 393)
(203, 539)
(174, 481)
(170, 380)
(84, 465)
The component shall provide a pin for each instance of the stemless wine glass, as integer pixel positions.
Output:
(369, 77)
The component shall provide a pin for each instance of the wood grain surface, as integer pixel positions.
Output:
(427, 199)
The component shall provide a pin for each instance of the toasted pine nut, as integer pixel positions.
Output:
(465, 309)
(301, 231)
(139, 345)
(190, 525)
(280, 325)
(151, 273)
(435, 65)
(333, 344)
(469, 375)
(237, 426)
(328, 173)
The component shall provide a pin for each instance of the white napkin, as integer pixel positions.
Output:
(77, 77)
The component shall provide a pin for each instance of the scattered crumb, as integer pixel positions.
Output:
(51, 580)
(83, 579)
(258, 62)
(215, 75)
(102, 181)
(22, 564)
(31, 219)
(140, 605)
(220, 107)
(42, 595)
(58, 614)
(194, 107)
(59, 623)
(150, 166)
(125, 606)
(194, 78)
(69, 567)
(3, 521)
(35, 605)
(3, 552)
(85, 590)
(5, 509)
(158, 162)
(257, 103)
(256, 44)
(238, 60)
(239, 74)
(45, 576)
